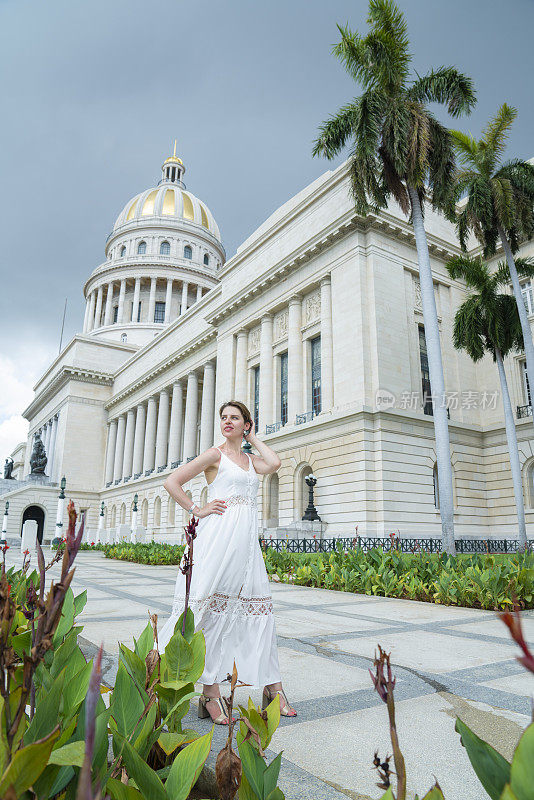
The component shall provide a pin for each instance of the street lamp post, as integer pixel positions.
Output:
(134, 518)
(100, 529)
(311, 512)
(4, 523)
(60, 511)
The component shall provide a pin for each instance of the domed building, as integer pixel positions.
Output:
(316, 324)
(162, 256)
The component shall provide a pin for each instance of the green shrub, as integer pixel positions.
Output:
(476, 581)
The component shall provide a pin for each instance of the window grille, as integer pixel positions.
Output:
(256, 398)
(165, 249)
(316, 375)
(141, 248)
(159, 312)
(188, 252)
(283, 388)
(425, 373)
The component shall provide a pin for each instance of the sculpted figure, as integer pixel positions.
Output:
(38, 457)
(8, 468)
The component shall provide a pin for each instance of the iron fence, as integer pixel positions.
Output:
(365, 543)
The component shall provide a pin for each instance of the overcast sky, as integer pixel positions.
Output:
(94, 93)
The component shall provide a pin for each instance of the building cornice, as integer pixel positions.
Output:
(66, 374)
(132, 267)
(159, 224)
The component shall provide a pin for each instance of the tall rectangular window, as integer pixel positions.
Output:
(139, 312)
(283, 388)
(256, 373)
(115, 313)
(159, 312)
(425, 373)
(525, 383)
(526, 291)
(316, 375)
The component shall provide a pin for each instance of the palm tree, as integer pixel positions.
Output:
(499, 203)
(488, 322)
(400, 149)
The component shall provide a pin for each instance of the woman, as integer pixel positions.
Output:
(230, 595)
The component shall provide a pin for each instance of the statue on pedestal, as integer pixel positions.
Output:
(38, 457)
(8, 469)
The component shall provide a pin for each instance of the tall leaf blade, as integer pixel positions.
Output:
(522, 771)
(186, 768)
(146, 779)
(492, 770)
(145, 643)
(127, 705)
(26, 766)
(270, 776)
(253, 768)
(46, 713)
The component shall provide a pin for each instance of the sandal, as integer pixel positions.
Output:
(285, 711)
(203, 712)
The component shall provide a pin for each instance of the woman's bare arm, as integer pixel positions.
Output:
(174, 482)
(267, 461)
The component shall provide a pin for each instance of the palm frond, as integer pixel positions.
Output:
(474, 271)
(503, 198)
(335, 132)
(448, 86)
(495, 135)
(466, 148)
(524, 267)
(468, 328)
(353, 53)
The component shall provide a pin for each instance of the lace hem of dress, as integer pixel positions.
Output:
(227, 604)
(241, 500)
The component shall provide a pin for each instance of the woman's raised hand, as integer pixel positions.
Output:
(213, 507)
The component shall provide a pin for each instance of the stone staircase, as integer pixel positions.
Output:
(10, 484)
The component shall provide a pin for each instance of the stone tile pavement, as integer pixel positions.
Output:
(448, 662)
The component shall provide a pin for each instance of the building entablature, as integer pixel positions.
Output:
(195, 345)
(149, 267)
(63, 376)
(159, 227)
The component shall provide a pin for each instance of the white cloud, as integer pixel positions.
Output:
(20, 368)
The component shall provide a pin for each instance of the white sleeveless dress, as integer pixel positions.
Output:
(230, 594)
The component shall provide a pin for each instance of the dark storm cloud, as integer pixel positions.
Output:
(94, 93)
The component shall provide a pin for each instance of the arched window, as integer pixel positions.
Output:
(188, 252)
(123, 250)
(530, 486)
(171, 511)
(203, 496)
(300, 489)
(435, 481)
(157, 512)
(123, 514)
(144, 513)
(113, 517)
(206, 259)
(141, 248)
(270, 513)
(124, 337)
(165, 249)
(185, 514)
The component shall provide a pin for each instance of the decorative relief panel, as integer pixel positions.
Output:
(418, 302)
(254, 341)
(312, 307)
(280, 325)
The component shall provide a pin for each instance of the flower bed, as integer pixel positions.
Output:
(475, 581)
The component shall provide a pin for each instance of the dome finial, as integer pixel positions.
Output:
(173, 168)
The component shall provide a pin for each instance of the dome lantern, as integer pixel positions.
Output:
(173, 169)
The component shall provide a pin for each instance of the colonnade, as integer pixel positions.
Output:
(162, 431)
(297, 391)
(101, 301)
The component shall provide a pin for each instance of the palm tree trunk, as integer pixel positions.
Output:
(523, 317)
(437, 383)
(511, 438)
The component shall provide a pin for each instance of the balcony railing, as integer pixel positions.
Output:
(275, 426)
(300, 419)
(524, 411)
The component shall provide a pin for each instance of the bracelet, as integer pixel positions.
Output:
(192, 507)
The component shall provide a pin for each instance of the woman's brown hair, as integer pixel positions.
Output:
(245, 413)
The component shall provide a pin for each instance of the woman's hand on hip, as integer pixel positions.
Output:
(213, 507)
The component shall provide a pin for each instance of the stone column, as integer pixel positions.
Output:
(98, 309)
(208, 407)
(152, 301)
(128, 444)
(110, 452)
(139, 439)
(91, 312)
(241, 367)
(175, 428)
(120, 312)
(46, 441)
(119, 448)
(199, 293)
(266, 372)
(86, 317)
(183, 304)
(168, 301)
(191, 414)
(150, 435)
(51, 463)
(137, 292)
(295, 403)
(109, 304)
(327, 377)
(162, 436)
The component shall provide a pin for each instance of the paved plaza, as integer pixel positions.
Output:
(448, 662)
